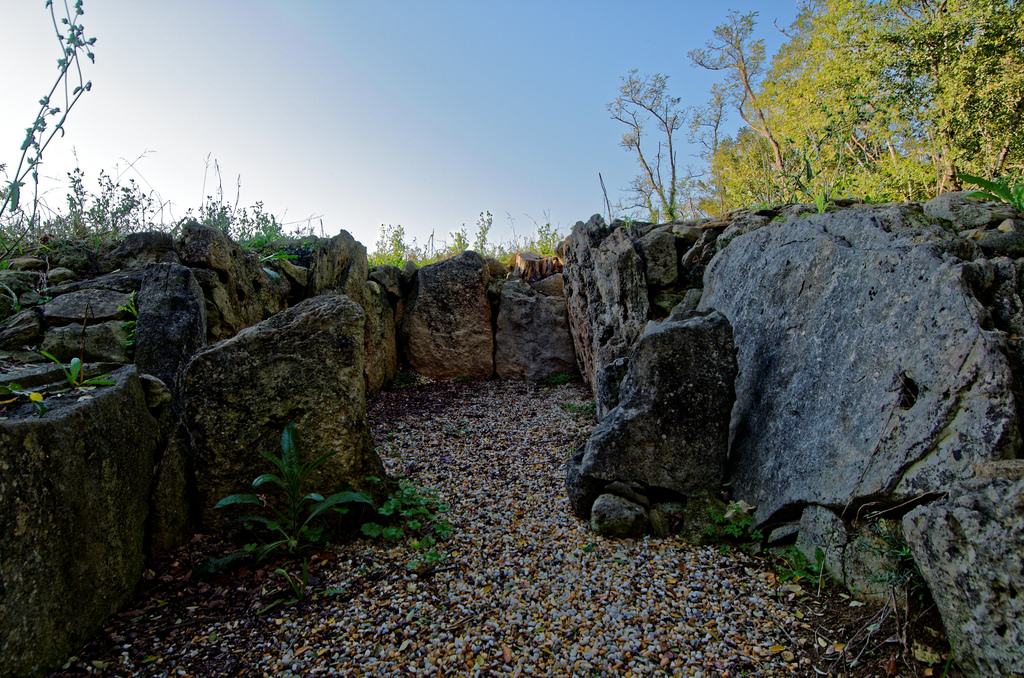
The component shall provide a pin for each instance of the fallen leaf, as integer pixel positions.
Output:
(925, 654)
(822, 642)
(856, 603)
(404, 645)
(775, 649)
(506, 655)
(890, 666)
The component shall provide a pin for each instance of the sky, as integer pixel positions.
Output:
(353, 115)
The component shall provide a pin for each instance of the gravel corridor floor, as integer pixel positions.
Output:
(524, 588)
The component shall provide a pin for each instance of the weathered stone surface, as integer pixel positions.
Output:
(381, 357)
(446, 328)
(74, 490)
(532, 339)
(237, 291)
(88, 305)
(968, 212)
(864, 371)
(698, 514)
(390, 280)
(139, 250)
(615, 516)
(606, 386)
(339, 265)
(670, 429)
(60, 275)
(171, 325)
(552, 286)
(173, 495)
(1000, 244)
(661, 260)
(22, 329)
(102, 343)
(605, 293)
(305, 365)
(969, 549)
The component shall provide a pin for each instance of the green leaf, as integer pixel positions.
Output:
(334, 500)
(236, 499)
(267, 478)
(999, 189)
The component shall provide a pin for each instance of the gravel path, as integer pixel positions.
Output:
(524, 588)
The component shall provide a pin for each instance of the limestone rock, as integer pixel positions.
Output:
(605, 293)
(305, 365)
(968, 212)
(139, 250)
(615, 516)
(446, 328)
(92, 305)
(552, 286)
(381, 352)
(532, 339)
(171, 325)
(237, 291)
(670, 429)
(22, 329)
(968, 547)
(340, 265)
(74, 490)
(661, 260)
(864, 371)
(101, 343)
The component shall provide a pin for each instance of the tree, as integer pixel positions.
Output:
(640, 100)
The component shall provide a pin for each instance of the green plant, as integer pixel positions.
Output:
(735, 527)
(560, 379)
(291, 524)
(589, 407)
(76, 378)
(129, 342)
(795, 565)
(414, 515)
(35, 397)
(462, 379)
(886, 539)
(73, 44)
(998, 190)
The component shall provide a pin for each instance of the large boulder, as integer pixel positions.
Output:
(238, 291)
(74, 497)
(305, 365)
(532, 340)
(605, 292)
(139, 250)
(171, 324)
(970, 549)
(381, 358)
(339, 265)
(669, 431)
(446, 327)
(865, 369)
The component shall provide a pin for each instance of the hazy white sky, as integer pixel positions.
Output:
(360, 114)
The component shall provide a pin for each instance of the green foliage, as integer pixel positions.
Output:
(129, 325)
(559, 379)
(587, 408)
(403, 380)
(795, 566)
(73, 45)
(735, 527)
(73, 373)
(890, 543)
(34, 397)
(462, 379)
(999, 190)
(415, 516)
(291, 522)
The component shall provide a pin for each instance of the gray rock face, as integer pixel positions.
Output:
(381, 352)
(171, 325)
(670, 429)
(305, 365)
(967, 212)
(969, 550)
(139, 250)
(104, 342)
(615, 516)
(87, 305)
(21, 329)
(74, 490)
(237, 291)
(340, 266)
(661, 260)
(864, 371)
(605, 292)
(446, 327)
(532, 339)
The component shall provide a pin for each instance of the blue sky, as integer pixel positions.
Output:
(422, 114)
